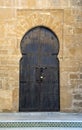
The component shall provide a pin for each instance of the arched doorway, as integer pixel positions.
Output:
(39, 71)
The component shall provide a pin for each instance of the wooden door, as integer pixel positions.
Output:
(39, 71)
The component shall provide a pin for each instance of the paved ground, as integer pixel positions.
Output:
(40, 128)
(41, 116)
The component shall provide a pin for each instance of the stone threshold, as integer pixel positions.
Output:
(41, 119)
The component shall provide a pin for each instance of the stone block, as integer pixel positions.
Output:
(9, 62)
(26, 4)
(72, 40)
(2, 29)
(74, 76)
(10, 28)
(80, 86)
(73, 52)
(68, 62)
(78, 97)
(9, 13)
(3, 74)
(69, 30)
(80, 69)
(9, 45)
(78, 104)
(5, 100)
(9, 3)
(6, 110)
(6, 84)
(14, 75)
(72, 45)
(78, 31)
(74, 83)
(64, 78)
(72, 19)
(69, 18)
(65, 100)
(0, 84)
(67, 65)
(9, 83)
(72, 30)
(3, 52)
(80, 76)
(39, 4)
(80, 81)
(1, 3)
(76, 2)
(52, 3)
(15, 98)
(65, 3)
(79, 19)
(70, 69)
(30, 4)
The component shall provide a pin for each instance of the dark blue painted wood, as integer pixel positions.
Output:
(39, 71)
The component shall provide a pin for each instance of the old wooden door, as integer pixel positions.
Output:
(39, 71)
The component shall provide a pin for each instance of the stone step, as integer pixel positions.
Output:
(41, 121)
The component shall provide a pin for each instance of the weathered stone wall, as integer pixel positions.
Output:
(64, 17)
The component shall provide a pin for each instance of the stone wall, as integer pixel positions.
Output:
(64, 17)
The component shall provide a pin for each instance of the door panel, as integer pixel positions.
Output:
(39, 72)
